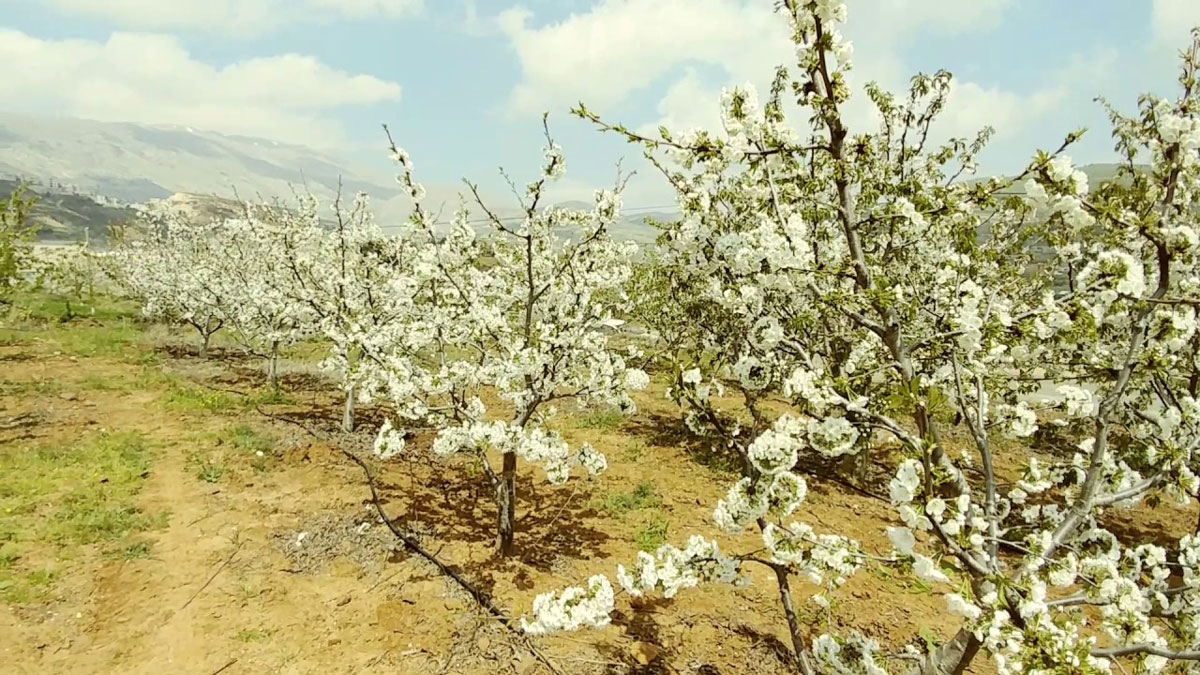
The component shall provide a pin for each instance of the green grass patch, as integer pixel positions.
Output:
(268, 396)
(652, 536)
(620, 503)
(8, 556)
(601, 420)
(41, 306)
(112, 340)
(96, 382)
(259, 447)
(69, 496)
(248, 439)
(27, 587)
(183, 397)
(30, 387)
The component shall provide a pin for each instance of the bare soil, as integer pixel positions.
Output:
(275, 563)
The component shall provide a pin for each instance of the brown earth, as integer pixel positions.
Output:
(229, 584)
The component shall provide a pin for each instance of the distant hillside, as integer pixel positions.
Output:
(135, 162)
(62, 216)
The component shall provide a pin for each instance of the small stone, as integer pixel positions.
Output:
(645, 653)
(483, 644)
(67, 396)
(525, 664)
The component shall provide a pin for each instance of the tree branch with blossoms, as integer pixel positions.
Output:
(796, 266)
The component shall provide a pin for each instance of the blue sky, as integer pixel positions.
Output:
(462, 84)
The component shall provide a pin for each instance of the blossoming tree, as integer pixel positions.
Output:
(71, 273)
(173, 268)
(256, 280)
(885, 301)
(525, 314)
(16, 241)
(353, 282)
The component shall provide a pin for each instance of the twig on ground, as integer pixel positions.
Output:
(214, 576)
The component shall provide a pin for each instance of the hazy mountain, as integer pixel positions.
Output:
(200, 171)
(134, 162)
(68, 159)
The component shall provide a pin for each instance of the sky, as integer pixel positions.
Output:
(463, 83)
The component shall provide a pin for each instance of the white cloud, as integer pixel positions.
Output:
(620, 50)
(152, 79)
(689, 103)
(622, 46)
(240, 18)
(1173, 19)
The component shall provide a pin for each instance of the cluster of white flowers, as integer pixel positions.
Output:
(847, 275)
(671, 569)
(573, 608)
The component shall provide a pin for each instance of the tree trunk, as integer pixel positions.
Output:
(953, 657)
(506, 500)
(273, 367)
(789, 610)
(348, 411)
(205, 336)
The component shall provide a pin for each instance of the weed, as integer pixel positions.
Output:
(601, 420)
(247, 589)
(247, 439)
(185, 398)
(89, 517)
(210, 471)
(635, 451)
(135, 551)
(8, 556)
(931, 640)
(620, 503)
(253, 634)
(26, 588)
(652, 536)
(268, 396)
(151, 378)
